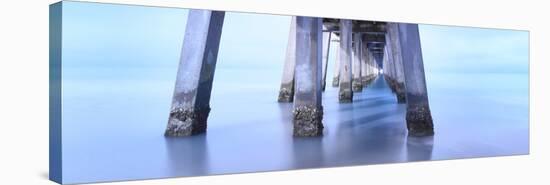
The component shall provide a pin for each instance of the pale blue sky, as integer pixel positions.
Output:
(474, 50)
(106, 36)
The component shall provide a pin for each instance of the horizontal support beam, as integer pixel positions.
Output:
(374, 38)
(369, 27)
(376, 44)
(357, 31)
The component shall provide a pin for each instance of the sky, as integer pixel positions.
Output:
(109, 37)
(474, 50)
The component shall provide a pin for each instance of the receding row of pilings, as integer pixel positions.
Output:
(365, 47)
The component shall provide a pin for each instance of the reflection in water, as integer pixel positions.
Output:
(369, 131)
(249, 131)
(187, 156)
(307, 152)
(367, 143)
(369, 119)
(285, 111)
(420, 148)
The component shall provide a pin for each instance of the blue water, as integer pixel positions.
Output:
(119, 72)
(114, 129)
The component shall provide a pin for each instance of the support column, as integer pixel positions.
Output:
(346, 93)
(372, 70)
(286, 94)
(308, 110)
(357, 85)
(377, 68)
(419, 118)
(391, 70)
(386, 71)
(364, 64)
(394, 54)
(190, 103)
(326, 48)
(336, 78)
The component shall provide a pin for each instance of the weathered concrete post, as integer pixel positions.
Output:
(391, 69)
(326, 49)
(394, 55)
(391, 64)
(364, 64)
(336, 78)
(419, 118)
(372, 69)
(385, 68)
(286, 94)
(308, 110)
(357, 85)
(345, 93)
(190, 103)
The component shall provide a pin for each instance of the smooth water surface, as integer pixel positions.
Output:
(119, 67)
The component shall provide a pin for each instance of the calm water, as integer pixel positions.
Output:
(119, 69)
(113, 129)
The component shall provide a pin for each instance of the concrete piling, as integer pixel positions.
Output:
(326, 48)
(364, 64)
(286, 92)
(336, 78)
(345, 92)
(191, 99)
(394, 56)
(308, 110)
(391, 70)
(387, 72)
(419, 119)
(357, 85)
